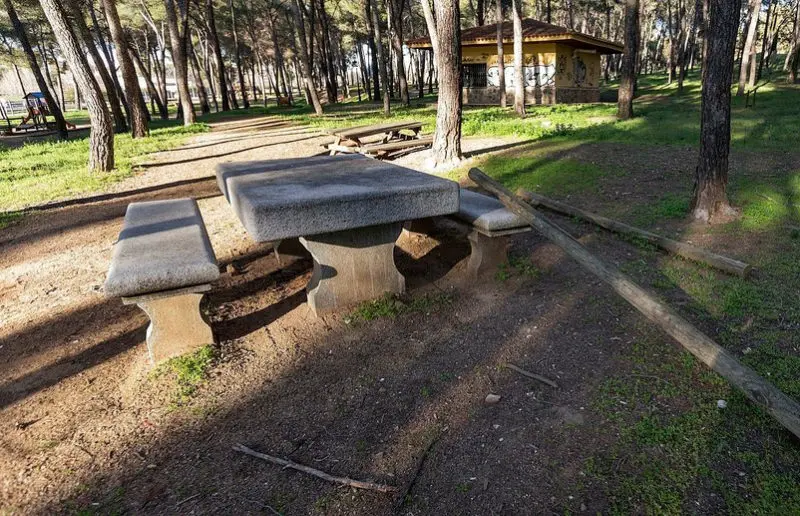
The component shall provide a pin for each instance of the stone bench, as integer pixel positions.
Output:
(490, 224)
(163, 262)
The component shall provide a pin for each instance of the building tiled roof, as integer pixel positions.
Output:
(532, 30)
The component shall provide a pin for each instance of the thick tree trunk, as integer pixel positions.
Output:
(519, 76)
(305, 59)
(447, 138)
(627, 81)
(501, 63)
(138, 116)
(381, 60)
(178, 47)
(22, 36)
(222, 87)
(710, 201)
(748, 56)
(101, 137)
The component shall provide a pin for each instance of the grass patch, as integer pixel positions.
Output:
(517, 266)
(392, 306)
(41, 172)
(189, 371)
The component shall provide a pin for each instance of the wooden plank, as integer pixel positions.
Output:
(362, 131)
(398, 145)
(683, 249)
(757, 389)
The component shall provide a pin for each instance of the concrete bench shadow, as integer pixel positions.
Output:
(163, 262)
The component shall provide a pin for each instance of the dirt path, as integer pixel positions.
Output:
(84, 424)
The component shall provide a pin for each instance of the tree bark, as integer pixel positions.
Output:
(151, 88)
(238, 56)
(501, 63)
(205, 107)
(381, 60)
(447, 138)
(430, 22)
(519, 76)
(749, 45)
(627, 82)
(138, 117)
(710, 201)
(396, 29)
(178, 46)
(222, 87)
(114, 102)
(101, 137)
(19, 30)
(793, 56)
(372, 49)
(305, 59)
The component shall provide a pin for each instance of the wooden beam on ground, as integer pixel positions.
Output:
(683, 249)
(757, 389)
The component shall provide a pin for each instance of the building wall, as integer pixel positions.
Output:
(554, 73)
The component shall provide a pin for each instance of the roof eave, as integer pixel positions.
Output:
(609, 46)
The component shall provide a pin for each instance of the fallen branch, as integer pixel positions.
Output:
(534, 376)
(757, 389)
(683, 249)
(358, 484)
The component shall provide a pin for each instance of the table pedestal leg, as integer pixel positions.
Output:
(353, 266)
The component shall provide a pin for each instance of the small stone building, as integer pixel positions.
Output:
(560, 66)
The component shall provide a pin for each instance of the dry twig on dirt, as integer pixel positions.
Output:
(358, 484)
(534, 376)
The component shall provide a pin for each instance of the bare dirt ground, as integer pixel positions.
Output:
(86, 426)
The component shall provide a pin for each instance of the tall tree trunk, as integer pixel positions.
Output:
(22, 36)
(152, 91)
(396, 29)
(305, 59)
(710, 200)
(381, 61)
(480, 12)
(238, 56)
(114, 102)
(222, 87)
(447, 138)
(764, 43)
(372, 49)
(749, 45)
(430, 22)
(627, 81)
(205, 107)
(174, 11)
(101, 137)
(501, 63)
(138, 117)
(106, 49)
(519, 76)
(793, 56)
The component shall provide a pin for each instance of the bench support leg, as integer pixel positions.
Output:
(176, 326)
(353, 266)
(488, 254)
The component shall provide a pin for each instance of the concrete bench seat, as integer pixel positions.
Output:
(490, 224)
(163, 262)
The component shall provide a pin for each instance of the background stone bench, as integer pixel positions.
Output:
(163, 262)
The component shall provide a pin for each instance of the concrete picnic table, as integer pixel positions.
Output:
(349, 140)
(347, 210)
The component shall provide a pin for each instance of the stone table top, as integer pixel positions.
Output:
(290, 198)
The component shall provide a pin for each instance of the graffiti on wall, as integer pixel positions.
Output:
(538, 75)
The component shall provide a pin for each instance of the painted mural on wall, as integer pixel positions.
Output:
(538, 75)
